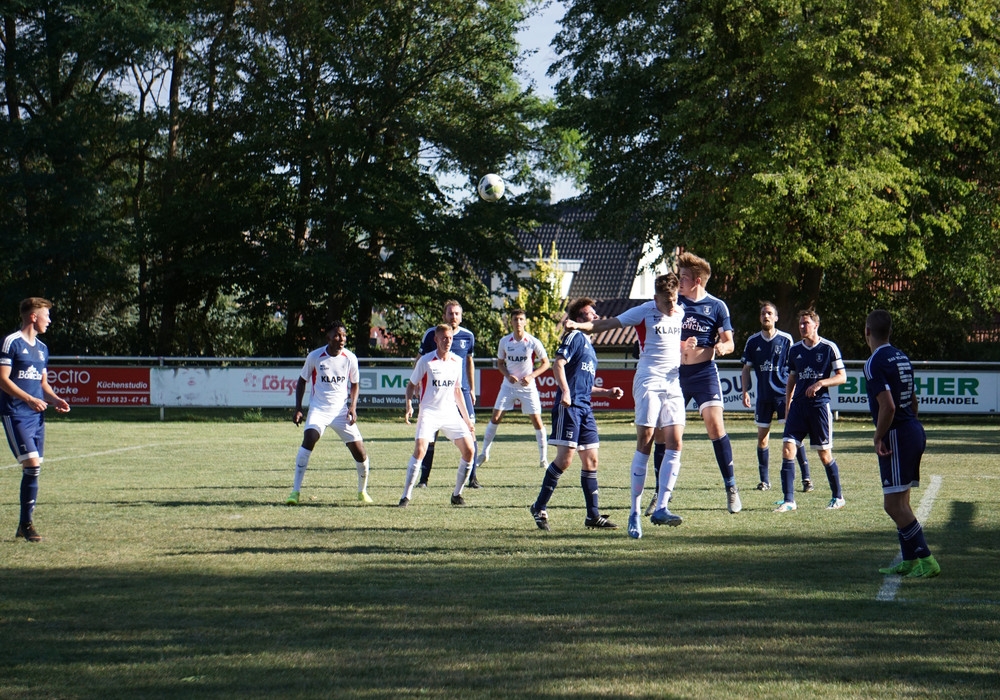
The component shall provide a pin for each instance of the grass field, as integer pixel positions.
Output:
(171, 568)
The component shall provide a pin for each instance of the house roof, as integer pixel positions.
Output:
(608, 267)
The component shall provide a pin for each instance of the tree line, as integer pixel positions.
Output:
(223, 177)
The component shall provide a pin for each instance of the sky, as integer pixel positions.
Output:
(537, 36)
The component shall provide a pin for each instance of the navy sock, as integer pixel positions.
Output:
(763, 458)
(29, 492)
(912, 542)
(549, 483)
(427, 462)
(833, 476)
(724, 456)
(788, 479)
(588, 480)
(801, 455)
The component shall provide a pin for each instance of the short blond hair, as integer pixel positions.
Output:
(699, 266)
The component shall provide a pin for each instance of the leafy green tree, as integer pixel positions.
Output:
(541, 299)
(830, 153)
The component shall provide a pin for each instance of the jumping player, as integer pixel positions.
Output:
(437, 379)
(25, 395)
(517, 355)
(464, 345)
(766, 354)
(899, 443)
(331, 373)
(574, 428)
(814, 365)
(656, 390)
(706, 318)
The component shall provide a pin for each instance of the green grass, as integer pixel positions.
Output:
(171, 568)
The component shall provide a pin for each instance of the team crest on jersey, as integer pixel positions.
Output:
(707, 310)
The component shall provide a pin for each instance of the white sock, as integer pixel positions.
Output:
(460, 477)
(491, 432)
(412, 474)
(640, 463)
(362, 475)
(669, 470)
(543, 444)
(301, 463)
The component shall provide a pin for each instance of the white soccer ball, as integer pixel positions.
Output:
(491, 187)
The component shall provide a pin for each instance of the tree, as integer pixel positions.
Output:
(542, 300)
(817, 153)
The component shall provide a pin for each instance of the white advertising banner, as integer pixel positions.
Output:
(940, 391)
(957, 391)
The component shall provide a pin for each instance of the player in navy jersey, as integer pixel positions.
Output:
(331, 375)
(25, 395)
(899, 443)
(706, 319)
(573, 426)
(766, 354)
(463, 345)
(814, 365)
(521, 358)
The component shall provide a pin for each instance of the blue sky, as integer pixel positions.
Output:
(537, 36)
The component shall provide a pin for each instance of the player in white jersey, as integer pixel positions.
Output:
(24, 395)
(331, 375)
(517, 356)
(656, 390)
(437, 382)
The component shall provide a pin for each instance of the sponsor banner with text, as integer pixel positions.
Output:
(940, 391)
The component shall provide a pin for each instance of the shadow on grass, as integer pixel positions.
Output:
(578, 619)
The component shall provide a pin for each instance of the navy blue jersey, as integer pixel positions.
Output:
(463, 344)
(769, 360)
(888, 369)
(581, 367)
(27, 364)
(704, 319)
(811, 364)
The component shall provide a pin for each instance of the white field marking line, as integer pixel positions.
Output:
(92, 454)
(887, 593)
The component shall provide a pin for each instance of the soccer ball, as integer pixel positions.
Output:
(491, 187)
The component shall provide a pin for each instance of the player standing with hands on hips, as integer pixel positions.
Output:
(574, 428)
(25, 395)
(899, 443)
(331, 373)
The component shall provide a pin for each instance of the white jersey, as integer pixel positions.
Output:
(520, 355)
(437, 379)
(330, 378)
(659, 341)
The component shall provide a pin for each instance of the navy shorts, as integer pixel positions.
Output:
(25, 435)
(765, 409)
(574, 426)
(814, 421)
(900, 470)
(701, 383)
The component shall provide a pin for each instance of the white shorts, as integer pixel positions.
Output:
(658, 403)
(531, 404)
(319, 418)
(448, 421)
